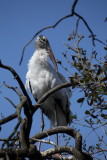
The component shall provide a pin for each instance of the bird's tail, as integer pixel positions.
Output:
(58, 118)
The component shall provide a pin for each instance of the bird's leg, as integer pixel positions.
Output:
(42, 121)
(56, 123)
(42, 126)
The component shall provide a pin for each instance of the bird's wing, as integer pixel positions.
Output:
(63, 98)
(63, 80)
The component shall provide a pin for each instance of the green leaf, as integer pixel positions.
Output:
(80, 100)
(104, 116)
(74, 116)
(87, 112)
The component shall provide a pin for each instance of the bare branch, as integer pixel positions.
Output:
(78, 41)
(102, 150)
(86, 24)
(70, 150)
(13, 88)
(16, 76)
(73, 6)
(70, 131)
(99, 41)
(89, 29)
(60, 63)
(24, 135)
(12, 134)
(23, 101)
(16, 114)
(9, 118)
(58, 157)
(14, 131)
(46, 95)
(5, 140)
(69, 47)
(77, 24)
(43, 141)
(25, 126)
(10, 102)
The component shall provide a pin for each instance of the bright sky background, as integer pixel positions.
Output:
(20, 20)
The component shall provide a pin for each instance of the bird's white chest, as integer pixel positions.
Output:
(42, 78)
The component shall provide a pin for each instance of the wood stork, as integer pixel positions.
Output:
(41, 77)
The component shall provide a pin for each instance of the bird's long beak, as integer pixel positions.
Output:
(51, 55)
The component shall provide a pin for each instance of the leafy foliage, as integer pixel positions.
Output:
(90, 77)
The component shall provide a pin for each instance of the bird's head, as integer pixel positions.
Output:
(43, 43)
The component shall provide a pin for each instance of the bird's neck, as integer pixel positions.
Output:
(39, 59)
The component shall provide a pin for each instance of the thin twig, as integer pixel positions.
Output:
(43, 141)
(13, 133)
(16, 76)
(65, 68)
(99, 41)
(10, 101)
(76, 30)
(95, 129)
(16, 114)
(9, 118)
(78, 41)
(13, 88)
(69, 47)
(90, 30)
(86, 24)
(102, 150)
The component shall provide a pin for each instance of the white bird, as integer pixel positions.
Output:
(41, 77)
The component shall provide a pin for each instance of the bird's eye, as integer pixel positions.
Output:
(44, 39)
